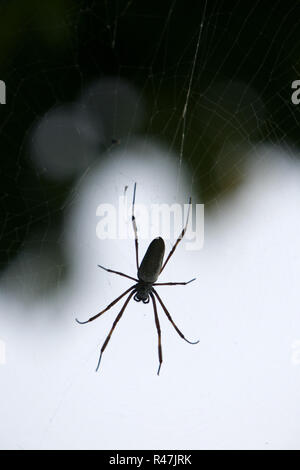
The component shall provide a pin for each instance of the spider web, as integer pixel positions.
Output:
(203, 90)
(208, 95)
(204, 83)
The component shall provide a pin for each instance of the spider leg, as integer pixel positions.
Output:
(158, 332)
(179, 238)
(113, 327)
(173, 283)
(135, 230)
(170, 318)
(117, 272)
(107, 308)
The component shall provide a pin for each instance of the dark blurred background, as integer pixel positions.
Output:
(232, 63)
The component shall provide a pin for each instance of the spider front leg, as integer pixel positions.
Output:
(158, 332)
(107, 308)
(171, 320)
(113, 327)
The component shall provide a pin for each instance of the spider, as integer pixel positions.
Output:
(147, 272)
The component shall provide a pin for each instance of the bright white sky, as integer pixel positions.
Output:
(238, 388)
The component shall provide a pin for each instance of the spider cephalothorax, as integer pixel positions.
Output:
(147, 273)
(142, 292)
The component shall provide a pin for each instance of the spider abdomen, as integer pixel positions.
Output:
(152, 262)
